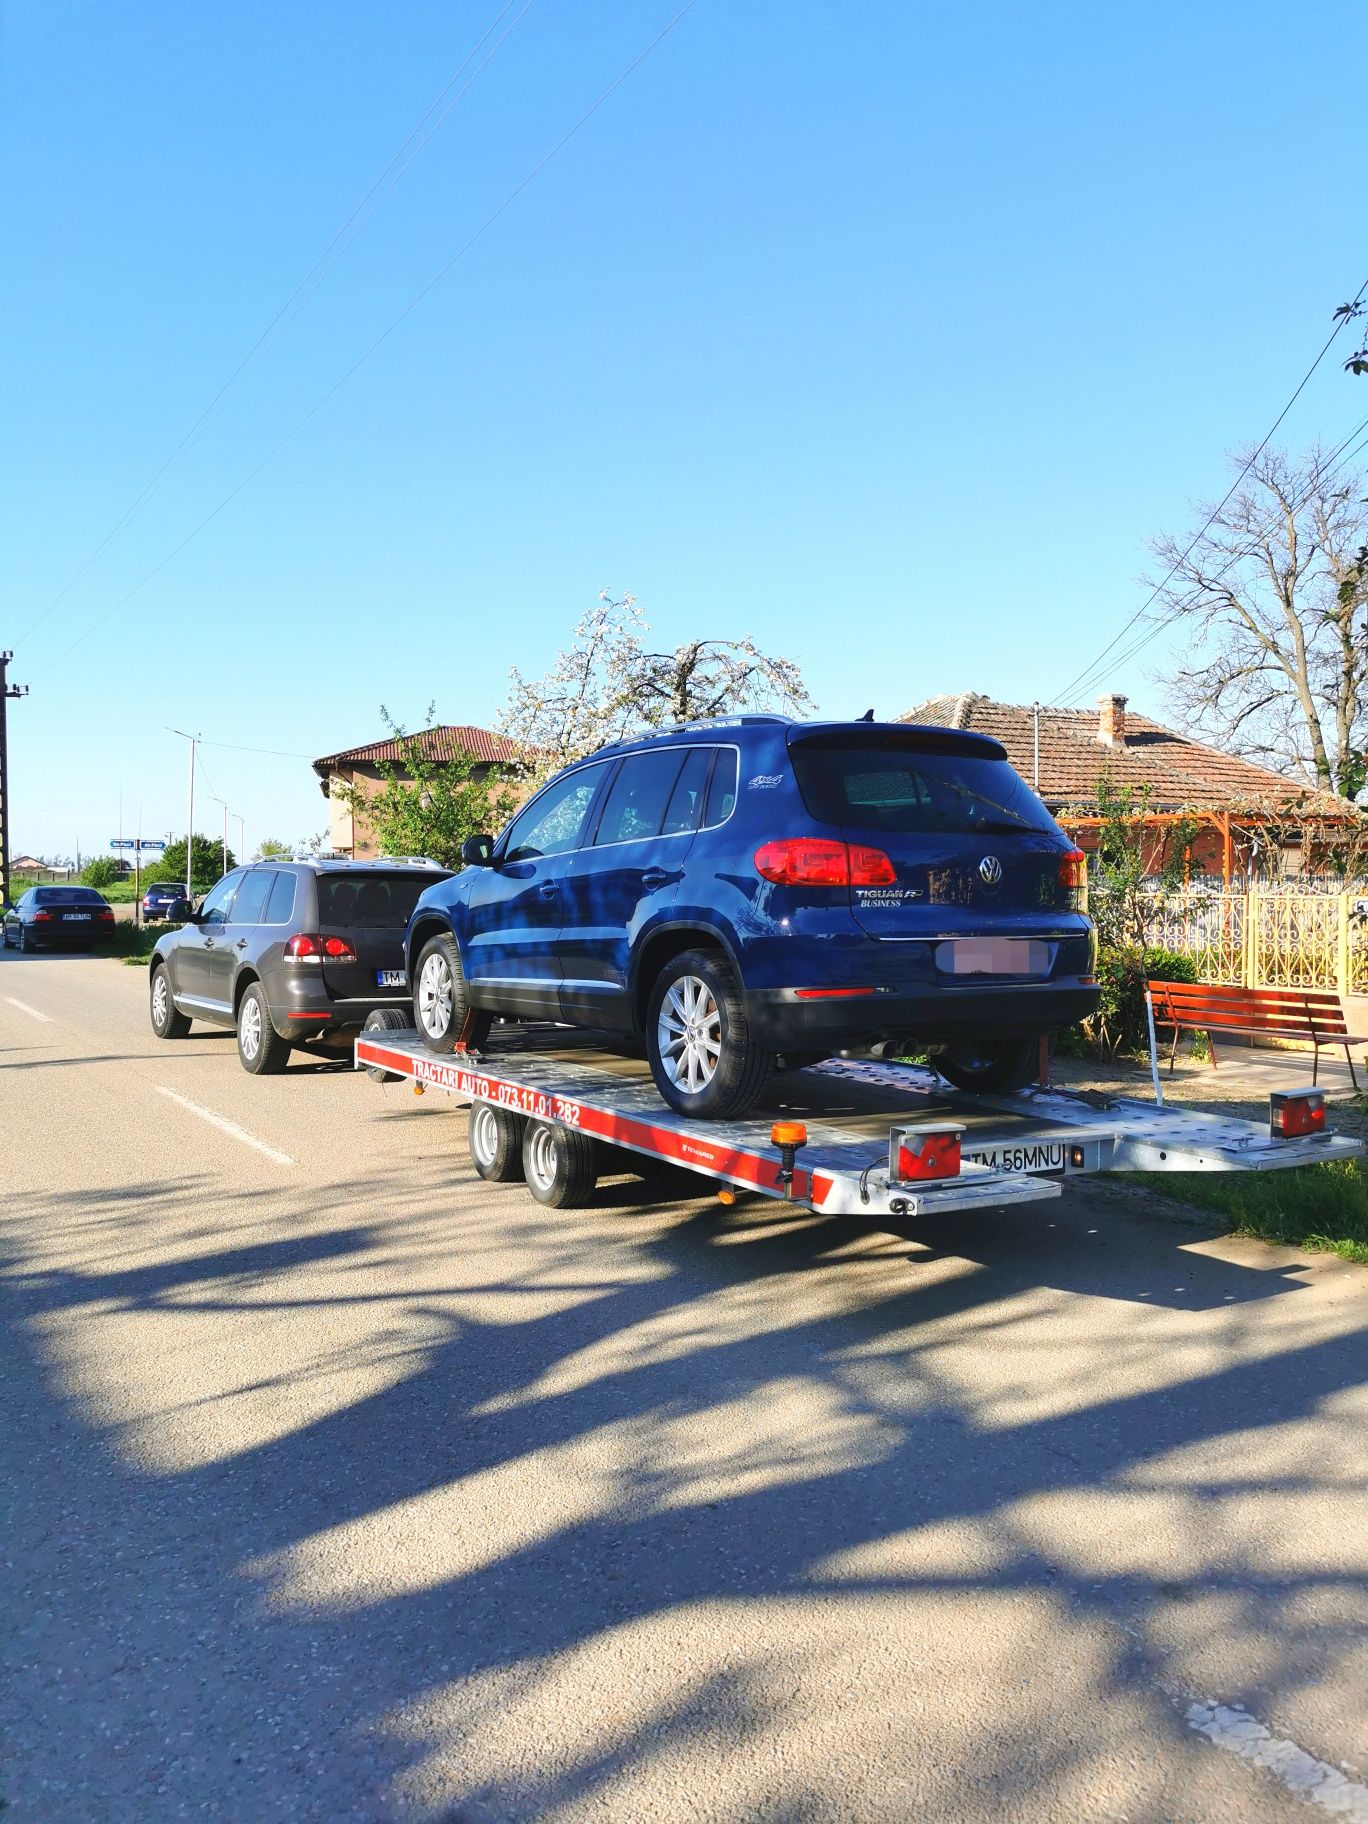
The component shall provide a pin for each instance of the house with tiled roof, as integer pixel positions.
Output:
(1249, 816)
(349, 832)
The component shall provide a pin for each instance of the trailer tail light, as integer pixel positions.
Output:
(816, 861)
(929, 1151)
(1296, 1114)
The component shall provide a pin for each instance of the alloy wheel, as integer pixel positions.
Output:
(160, 998)
(435, 996)
(249, 1027)
(689, 1034)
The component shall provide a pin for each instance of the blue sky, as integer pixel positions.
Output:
(885, 333)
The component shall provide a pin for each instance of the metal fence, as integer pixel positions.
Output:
(1267, 939)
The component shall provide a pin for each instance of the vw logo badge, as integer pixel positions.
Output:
(990, 870)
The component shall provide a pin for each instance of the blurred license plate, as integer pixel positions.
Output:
(993, 956)
(391, 978)
(68, 916)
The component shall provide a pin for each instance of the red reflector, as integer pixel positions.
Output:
(1296, 1115)
(308, 1016)
(934, 1154)
(828, 994)
(302, 944)
(338, 947)
(816, 861)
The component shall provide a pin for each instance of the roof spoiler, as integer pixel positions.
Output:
(915, 737)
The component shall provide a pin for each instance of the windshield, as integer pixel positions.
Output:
(896, 789)
(370, 902)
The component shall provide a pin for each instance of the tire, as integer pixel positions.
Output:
(698, 990)
(996, 1066)
(384, 1019)
(441, 1000)
(261, 1050)
(167, 1021)
(559, 1164)
(496, 1143)
(23, 945)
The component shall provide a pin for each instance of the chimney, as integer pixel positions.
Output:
(1111, 721)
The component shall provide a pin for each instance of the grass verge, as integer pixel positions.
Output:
(1320, 1207)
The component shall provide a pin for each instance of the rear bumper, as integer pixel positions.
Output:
(301, 1005)
(781, 1021)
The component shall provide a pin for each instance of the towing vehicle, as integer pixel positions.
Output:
(555, 1108)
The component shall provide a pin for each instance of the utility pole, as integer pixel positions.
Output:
(7, 690)
(190, 814)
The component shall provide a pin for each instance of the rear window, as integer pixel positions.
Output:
(67, 896)
(908, 793)
(370, 902)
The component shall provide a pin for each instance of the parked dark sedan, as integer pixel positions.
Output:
(160, 897)
(288, 952)
(46, 917)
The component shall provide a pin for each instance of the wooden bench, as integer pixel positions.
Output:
(1314, 1015)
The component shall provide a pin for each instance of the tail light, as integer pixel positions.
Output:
(42, 918)
(308, 947)
(105, 912)
(1296, 1114)
(925, 1152)
(816, 861)
(1073, 875)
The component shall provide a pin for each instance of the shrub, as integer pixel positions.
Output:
(1120, 1023)
(103, 871)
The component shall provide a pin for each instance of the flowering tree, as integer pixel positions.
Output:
(606, 685)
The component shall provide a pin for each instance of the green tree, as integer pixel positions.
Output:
(429, 807)
(207, 859)
(272, 849)
(103, 871)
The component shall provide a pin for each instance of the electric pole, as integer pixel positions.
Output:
(7, 690)
(190, 814)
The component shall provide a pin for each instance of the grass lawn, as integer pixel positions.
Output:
(1320, 1207)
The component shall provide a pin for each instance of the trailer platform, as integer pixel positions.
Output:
(844, 1137)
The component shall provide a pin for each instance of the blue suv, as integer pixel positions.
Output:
(752, 894)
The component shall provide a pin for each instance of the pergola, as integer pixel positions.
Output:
(1229, 821)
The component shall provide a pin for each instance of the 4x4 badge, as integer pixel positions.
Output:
(990, 870)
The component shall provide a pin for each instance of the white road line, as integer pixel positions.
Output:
(1300, 1772)
(224, 1126)
(32, 1012)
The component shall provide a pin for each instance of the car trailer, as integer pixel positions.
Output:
(853, 1138)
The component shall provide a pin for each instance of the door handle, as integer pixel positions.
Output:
(653, 878)
(549, 889)
(241, 944)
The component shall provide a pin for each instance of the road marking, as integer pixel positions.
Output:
(32, 1012)
(1300, 1772)
(225, 1126)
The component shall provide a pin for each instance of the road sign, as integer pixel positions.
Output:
(129, 842)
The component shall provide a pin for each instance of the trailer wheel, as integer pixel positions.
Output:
(384, 1019)
(496, 1143)
(560, 1165)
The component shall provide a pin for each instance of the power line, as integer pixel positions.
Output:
(1088, 670)
(1322, 474)
(382, 338)
(322, 267)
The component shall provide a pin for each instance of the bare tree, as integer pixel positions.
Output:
(606, 685)
(1275, 594)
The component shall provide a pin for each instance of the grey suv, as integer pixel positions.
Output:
(288, 953)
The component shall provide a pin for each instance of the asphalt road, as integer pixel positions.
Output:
(335, 1485)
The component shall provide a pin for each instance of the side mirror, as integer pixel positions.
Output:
(477, 851)
(180, 912)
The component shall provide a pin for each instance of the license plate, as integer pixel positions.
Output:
(71, 917)
(391, 978)
(1040, 1157)
(993, 956)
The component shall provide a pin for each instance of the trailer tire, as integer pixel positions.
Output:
(441, 998)
(995, 1066)
(384, 1019)
(560, 1165)
(495, 1138)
